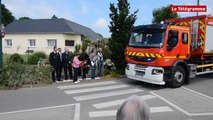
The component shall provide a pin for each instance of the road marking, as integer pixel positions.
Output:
(198, 93)
(87, 85)
(110, 113)
(76, 115)
(160, 109)
(107, 94)
(95, 89)
(119, 102)
(177, 107)
(103, 113)
(77, 112)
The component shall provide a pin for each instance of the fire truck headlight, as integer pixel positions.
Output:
(157, 71)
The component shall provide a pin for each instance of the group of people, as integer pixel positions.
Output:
(79, 63)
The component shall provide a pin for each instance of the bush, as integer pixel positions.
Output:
(114, 74)
(12, 75)
(16, 58)
(40, 55)
(33, 60)
(15, 75)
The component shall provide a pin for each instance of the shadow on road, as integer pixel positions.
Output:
(145, 85)
(201, 78)
(197, 80)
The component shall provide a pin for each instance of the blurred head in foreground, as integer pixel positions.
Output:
(134, 108)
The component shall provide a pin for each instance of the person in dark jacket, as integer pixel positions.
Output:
(61, 64)
(67, 64)
(84, 70)
(87, 58)
(54, 59)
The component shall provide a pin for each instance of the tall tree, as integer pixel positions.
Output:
(85, 43)
(120, 25)
(7, 16)
(163, 13)
(24, 18)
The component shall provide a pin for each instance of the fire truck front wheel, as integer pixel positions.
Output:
(179, 77)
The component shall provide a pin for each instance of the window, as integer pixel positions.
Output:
(70, 43)
(147, 38)
(51, 43)
(8, 42)
(32, 42)
(185, 38)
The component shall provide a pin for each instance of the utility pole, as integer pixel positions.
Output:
(1, 63)
(198, 3)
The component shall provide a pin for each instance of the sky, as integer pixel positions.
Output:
(93, 13)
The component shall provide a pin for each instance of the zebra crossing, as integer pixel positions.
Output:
(115, 91)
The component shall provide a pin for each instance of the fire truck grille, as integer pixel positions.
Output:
(142, 59)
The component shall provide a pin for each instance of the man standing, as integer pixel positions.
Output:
(54, 59)
(61, 64)
(100, 62)
(67, 64)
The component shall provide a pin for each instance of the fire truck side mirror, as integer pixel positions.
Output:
(172, 40)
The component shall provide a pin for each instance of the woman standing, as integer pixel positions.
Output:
(76, 64)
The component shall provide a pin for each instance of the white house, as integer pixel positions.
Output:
(23, 36)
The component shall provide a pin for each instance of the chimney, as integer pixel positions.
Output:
(54, 17)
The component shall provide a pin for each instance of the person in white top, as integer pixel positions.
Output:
(93, 67)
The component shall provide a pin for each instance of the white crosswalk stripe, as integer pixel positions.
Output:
(119, 102)
(108, 89)
(95, 89)
(109, 113)
(87, 85)
(107, 94)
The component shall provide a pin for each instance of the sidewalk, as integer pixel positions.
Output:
(79, 78)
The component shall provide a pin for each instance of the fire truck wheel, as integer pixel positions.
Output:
(179, 77)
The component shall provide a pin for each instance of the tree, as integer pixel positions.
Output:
(85, 43)
(77, 48)
(7, 16)
(24, 18)
(163, 13)
(120, 25)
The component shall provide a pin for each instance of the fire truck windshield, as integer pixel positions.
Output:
(147, 39)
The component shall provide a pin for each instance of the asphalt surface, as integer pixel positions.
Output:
(100, 99)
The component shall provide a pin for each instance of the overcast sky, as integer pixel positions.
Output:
(92, 13)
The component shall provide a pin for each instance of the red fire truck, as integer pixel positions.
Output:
(171, 53)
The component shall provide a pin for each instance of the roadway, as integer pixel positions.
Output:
(100, 99)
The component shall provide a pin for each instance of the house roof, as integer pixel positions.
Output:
(54, 25)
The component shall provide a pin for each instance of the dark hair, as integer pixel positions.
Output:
(77, 53)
